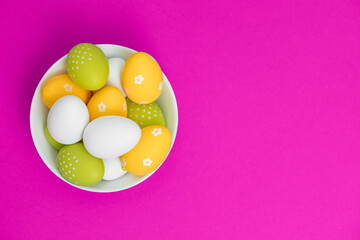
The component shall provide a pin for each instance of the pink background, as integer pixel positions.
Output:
(269, 131)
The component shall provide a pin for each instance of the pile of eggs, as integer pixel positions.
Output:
(103, 118)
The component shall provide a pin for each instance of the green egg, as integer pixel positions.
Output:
(145, 114)
(51, 140)
(87, 66)
(78, 166)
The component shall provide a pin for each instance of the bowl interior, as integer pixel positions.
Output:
(39, 111)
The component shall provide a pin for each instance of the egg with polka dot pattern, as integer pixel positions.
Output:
(150, 152)
(113, 169)
(145, 114)
(79, 167)
(87, 66)
(60, 86)
(142, 78)
(107, 101)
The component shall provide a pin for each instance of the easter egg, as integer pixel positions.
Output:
(87, 66)
(150, 152)
(51, 140)
(116, 67)
(113, 169)
(67, 119)
(111, 136)
(142, 78)
(107, 101)
(145, 114)
(79, 167)
(60, 86)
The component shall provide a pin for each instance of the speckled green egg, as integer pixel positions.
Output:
(87, 66)
(78, 166)
(145, 114)
(51, 140)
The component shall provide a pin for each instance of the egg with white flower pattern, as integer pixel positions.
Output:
(145, 114)
(87, 66)
(150, 152)
(60, 86)
(78, 166)
(107, 101)
(142, 78)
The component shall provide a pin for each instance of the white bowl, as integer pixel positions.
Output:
(48, 154)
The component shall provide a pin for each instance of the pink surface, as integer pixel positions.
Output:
(269, 133)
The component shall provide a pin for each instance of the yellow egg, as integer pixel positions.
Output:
(142, 78)
(60, 86)
(150, 152)
(107, 101)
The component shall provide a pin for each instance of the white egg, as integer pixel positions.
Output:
(111, 136)
(116, 67)
(113, 169)
(67, 119)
